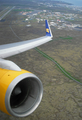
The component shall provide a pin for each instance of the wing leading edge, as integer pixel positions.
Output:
(11, 49)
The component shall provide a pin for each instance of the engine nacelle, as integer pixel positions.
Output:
(20, 92)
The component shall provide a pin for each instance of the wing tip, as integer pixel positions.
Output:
(48, 30)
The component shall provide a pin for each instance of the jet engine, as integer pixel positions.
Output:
(20, 92)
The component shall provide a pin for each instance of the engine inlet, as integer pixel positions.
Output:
(23, 95)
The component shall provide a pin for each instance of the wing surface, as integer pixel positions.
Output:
(11, 49)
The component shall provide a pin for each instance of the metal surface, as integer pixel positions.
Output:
(7, 64)
(16, 48)
(33, 99)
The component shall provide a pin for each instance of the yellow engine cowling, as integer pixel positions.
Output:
(20, 92)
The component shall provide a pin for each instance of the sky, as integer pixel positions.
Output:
(75, 2)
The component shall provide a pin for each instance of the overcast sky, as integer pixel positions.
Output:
(75, 2)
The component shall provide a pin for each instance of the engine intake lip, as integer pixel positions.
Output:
(33, 99)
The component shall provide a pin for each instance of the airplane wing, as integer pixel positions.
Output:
(11, 49)
(20, 90)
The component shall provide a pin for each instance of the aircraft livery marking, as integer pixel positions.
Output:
(47, 30)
